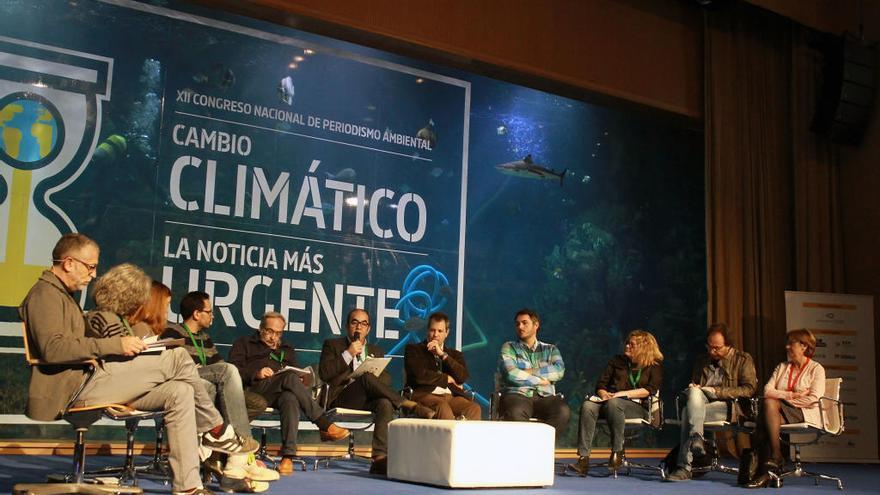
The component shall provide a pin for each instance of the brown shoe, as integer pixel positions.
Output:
(582, 466)
(285, 467)
(379, 466)
(334, 433)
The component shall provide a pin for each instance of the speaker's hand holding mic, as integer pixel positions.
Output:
(356, 346)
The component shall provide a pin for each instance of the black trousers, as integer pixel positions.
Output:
(551, 410)
(287, 394)
(374, 394)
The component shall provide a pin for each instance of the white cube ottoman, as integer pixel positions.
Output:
(463, 454)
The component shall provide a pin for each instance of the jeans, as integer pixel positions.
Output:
(696, 411)
(551, 410)
(615, 411)
(225, 389)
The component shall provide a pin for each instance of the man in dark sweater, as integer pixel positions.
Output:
(223, 383)
(263, 360)
(437, 373)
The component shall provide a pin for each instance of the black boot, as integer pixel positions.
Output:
(616, 460)
(762, 477)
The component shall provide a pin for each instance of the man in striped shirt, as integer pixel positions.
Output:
(528, 370)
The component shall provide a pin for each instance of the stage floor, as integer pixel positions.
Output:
(353, 477)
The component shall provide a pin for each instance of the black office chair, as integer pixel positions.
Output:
(712, 460)
(635, 426)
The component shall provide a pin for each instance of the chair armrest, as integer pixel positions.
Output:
(324, 394)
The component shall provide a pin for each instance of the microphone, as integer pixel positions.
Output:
(357, 336)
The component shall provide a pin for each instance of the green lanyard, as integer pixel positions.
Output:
(198, 346)
(634, 379)
(276, 358)
(125, 324)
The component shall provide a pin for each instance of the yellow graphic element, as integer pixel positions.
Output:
(11, 137)
(44, 133)
(16, 276)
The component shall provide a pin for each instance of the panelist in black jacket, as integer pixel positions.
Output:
(262, 359)
(339, 357)
(437, 373)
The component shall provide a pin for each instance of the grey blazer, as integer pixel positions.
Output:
(56, 334)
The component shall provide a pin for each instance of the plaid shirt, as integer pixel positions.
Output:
(516, 357)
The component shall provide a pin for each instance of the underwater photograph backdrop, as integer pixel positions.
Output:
(277, 169)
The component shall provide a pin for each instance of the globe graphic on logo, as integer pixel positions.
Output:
(29, 132)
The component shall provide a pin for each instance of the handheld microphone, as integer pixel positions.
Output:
(357, 336)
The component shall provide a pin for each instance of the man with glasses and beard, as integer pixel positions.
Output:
(339, 358)
(723, 373)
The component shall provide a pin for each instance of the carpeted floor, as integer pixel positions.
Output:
(352, 477)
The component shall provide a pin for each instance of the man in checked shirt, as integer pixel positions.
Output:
(528, 369)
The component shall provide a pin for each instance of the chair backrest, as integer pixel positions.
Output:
(27, 348)
(831, 412)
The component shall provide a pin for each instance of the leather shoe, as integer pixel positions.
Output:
(680, 474)
(581, 467)
(212, 467)
(334, 433)
(616, 460)
(379, 466)
(285, 467)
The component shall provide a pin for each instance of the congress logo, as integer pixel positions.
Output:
(50, 118)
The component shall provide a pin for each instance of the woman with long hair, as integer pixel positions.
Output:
(154, 312)
(629, 377)
(791, 395)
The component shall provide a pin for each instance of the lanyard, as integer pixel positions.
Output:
(634, 379)
(791, 384)
(125, 324)
(277, 358)
(199, 350)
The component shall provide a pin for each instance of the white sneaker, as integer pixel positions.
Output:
(252, 469)
(229, 442)
(230, 485)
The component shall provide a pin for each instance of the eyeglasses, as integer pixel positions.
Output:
(715, 347)
(207, 310)
(277, 333)
(90, 266)
(359, 323)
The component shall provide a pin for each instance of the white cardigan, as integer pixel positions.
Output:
(811, 381)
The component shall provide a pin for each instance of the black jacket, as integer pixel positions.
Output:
(249, 354)
(615, 378)
(335, 371)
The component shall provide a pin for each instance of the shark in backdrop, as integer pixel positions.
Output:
(530, 170)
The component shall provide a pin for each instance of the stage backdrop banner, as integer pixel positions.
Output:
(278, 173)
(844, 328)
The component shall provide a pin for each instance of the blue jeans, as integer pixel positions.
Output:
(697, 409)
(223, 384)
(615, 411)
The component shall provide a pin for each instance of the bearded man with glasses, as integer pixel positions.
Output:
(723, 373)
(339, 358)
